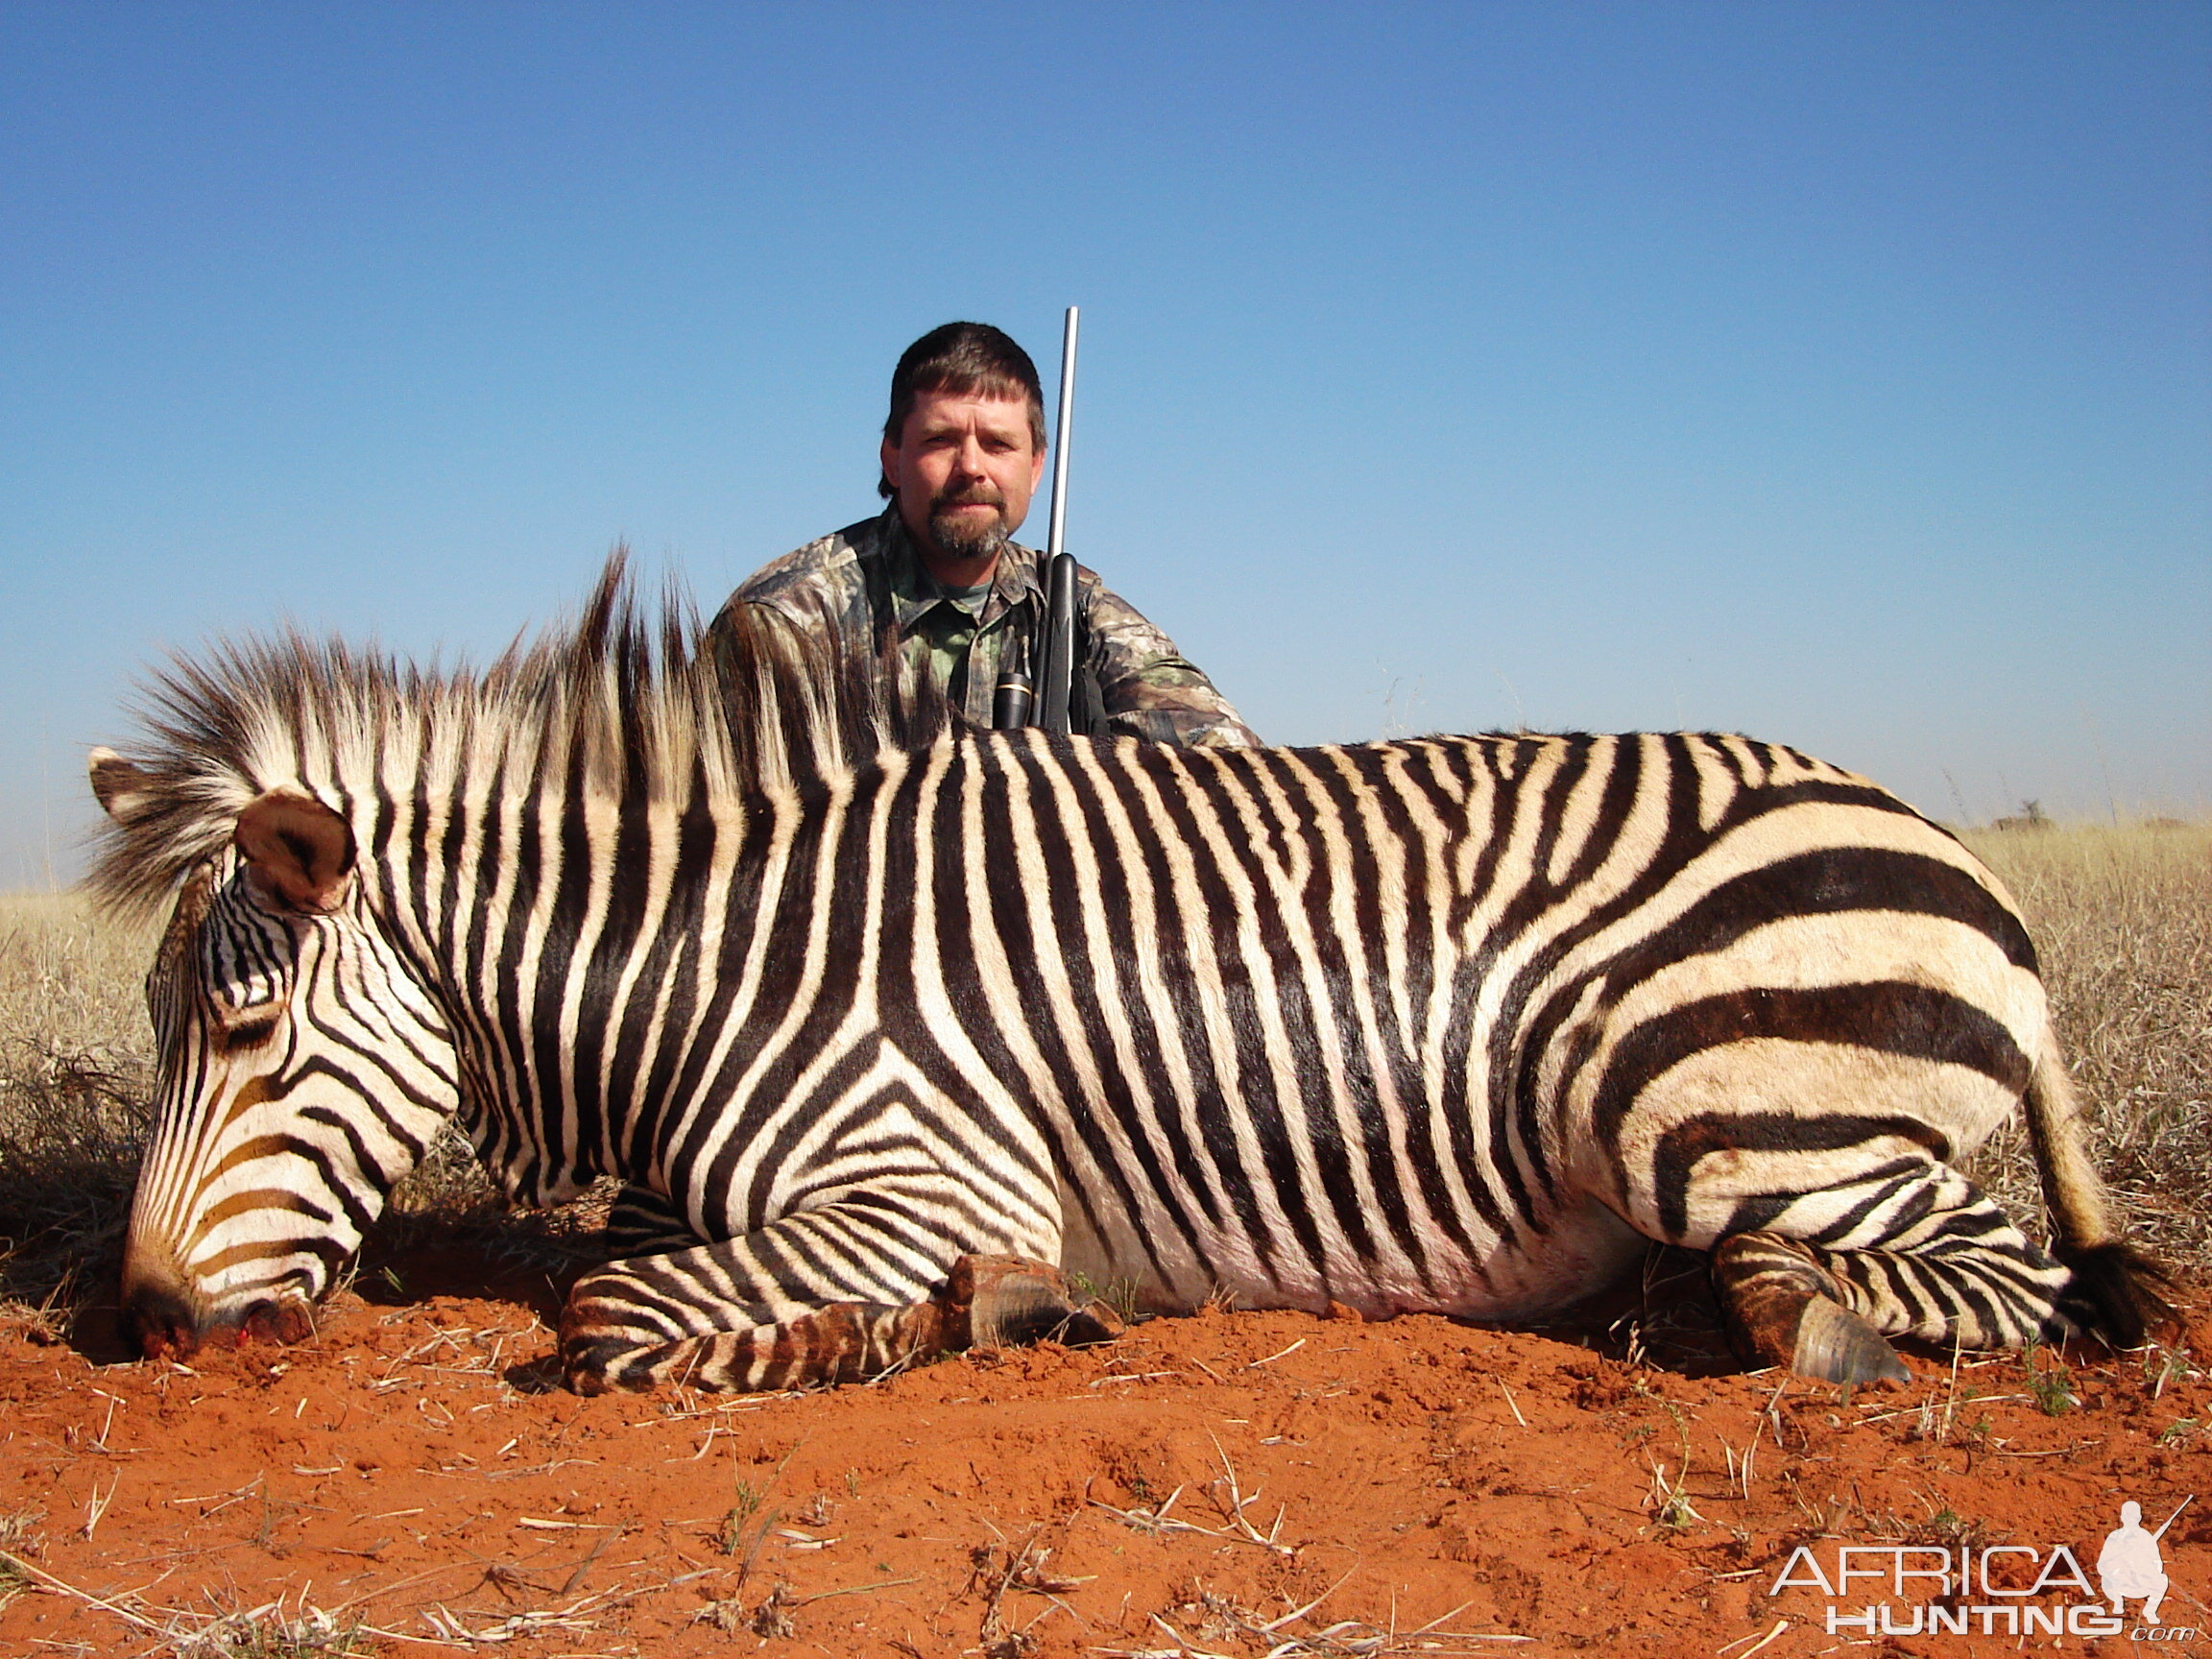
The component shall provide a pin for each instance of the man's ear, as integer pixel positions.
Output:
(121, 788)
(299, 852)
(887, 457)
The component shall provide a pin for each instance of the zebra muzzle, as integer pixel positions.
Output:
(164, 1322)
(171, 1323)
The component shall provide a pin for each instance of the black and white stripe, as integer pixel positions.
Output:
(846, 996)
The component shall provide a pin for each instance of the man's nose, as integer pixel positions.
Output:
(968, 459)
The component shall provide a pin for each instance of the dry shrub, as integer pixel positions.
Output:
(2122, 918)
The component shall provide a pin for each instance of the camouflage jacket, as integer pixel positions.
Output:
(1130, 680)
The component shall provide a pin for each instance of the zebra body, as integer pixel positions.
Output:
(851, 1000)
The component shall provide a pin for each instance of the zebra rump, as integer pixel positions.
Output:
(893, 1029)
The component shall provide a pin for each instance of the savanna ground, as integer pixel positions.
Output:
(1237, 1483)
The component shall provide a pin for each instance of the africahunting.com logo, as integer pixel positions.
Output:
(1995, 1589)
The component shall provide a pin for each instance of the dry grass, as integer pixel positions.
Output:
(2123, 922)
(73, 1077)
(2123, 918)
(265, 1632)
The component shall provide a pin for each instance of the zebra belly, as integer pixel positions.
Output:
(1574, 1253)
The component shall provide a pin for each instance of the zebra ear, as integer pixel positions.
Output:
(122, 788)
(299, 853)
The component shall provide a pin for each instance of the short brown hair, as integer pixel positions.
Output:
(965, 359)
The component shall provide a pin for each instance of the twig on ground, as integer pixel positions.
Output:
(47, 1581)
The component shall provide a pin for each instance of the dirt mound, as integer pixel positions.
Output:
(1232, 1483)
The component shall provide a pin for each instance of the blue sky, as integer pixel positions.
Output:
(1842, 373)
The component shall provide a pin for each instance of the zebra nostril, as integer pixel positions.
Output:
(164, 1322)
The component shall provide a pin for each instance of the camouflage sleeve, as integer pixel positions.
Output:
(1148, 688)
(718, 632)
(721, 638)
(756, 616)
(818, 589)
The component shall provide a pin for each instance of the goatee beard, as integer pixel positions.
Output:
(960, 537)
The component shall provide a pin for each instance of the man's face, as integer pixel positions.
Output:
(964, 470)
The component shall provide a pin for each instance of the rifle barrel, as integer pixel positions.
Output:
(2176, 1516)
(1059, 665)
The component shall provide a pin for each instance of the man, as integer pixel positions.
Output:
(963, 453)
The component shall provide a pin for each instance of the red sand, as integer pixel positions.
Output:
(411, 1470)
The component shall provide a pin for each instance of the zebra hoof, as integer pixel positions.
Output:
(1834, 1345)
(1011, 1302)
(1781, 1308)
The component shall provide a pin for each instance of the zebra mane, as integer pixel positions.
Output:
(625, 703)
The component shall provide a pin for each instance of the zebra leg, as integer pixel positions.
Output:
(1913, 1252)
(725, 1316)
(643, 1223)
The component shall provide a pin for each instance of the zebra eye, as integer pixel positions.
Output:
(247, 1027)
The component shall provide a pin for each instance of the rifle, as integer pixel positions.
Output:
(2176, 1516)
(1010, 705)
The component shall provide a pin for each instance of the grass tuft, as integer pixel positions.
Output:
(2122, 919)
(269, 1633)
(2051, 1384)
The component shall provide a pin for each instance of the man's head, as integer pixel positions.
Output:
(964, 446)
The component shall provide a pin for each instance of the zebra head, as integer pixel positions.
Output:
(303, 1070)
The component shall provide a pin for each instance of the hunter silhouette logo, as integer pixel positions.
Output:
(2131, 1563)
(1936, 1590)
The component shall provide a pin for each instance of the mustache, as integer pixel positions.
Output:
(973, 496)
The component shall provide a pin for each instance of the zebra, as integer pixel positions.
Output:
(899, 1034)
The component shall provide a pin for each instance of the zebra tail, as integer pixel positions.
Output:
(2121, 1287)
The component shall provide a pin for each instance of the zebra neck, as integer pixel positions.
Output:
(601, 959)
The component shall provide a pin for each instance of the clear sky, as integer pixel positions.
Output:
(1838, 372)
